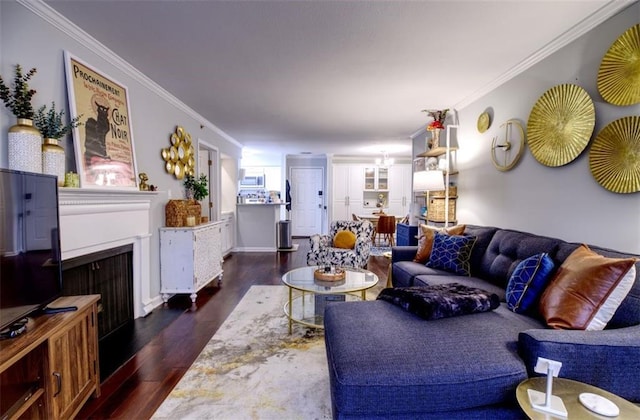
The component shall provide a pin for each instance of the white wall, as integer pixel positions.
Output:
(38, 37)
(228, 184)
(564, 202)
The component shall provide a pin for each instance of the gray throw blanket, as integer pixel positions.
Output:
(441, 301)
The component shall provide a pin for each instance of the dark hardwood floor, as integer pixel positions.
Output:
(138, 387)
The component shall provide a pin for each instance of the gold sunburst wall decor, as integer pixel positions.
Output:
(560, 125)
(179, 158)
(614, 156)
(619, 74)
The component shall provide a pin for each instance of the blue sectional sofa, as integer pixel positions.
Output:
(385, 362)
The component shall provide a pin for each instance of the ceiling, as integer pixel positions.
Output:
(339, 77)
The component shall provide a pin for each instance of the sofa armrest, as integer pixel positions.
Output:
(608, 359)
(318, 242)
(403, 253)
(362, 245)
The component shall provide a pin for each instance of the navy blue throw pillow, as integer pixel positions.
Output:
(452, 253)
(528, 281)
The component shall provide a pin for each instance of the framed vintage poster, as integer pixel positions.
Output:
(104, 142)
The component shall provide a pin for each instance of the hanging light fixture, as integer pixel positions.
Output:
(385, 161)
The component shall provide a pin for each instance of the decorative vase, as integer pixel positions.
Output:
(435, 138)
(53, 160)
(25, 143)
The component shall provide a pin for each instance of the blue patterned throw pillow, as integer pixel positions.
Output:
(452, 253)
(528, 281)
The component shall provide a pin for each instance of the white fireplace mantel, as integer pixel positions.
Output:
(93, 220)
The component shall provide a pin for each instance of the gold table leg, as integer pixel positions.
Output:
(290, 308)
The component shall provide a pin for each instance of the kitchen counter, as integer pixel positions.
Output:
(257, 226)
(262, 204)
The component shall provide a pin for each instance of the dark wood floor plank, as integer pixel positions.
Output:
(138, 388)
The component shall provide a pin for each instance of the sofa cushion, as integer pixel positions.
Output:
(528, 282)
(426, 237)
(452, 253)
(507, 249)
(405, 272)
(344, 239)
(484, 234)
(385, 361)
(440, 301)
(587, 290)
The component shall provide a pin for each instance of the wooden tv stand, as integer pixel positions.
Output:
(51, 370)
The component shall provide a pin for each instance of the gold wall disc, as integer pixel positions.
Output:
(614, 156)
(619, 73)
(560, 125)
(484, 121)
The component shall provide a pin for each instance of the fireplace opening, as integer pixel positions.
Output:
(108, 273)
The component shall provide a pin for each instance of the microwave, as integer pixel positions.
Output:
(252, 181)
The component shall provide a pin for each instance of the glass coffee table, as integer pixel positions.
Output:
(307, 307)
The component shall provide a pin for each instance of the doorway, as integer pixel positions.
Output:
(307, 200)
(209, 164)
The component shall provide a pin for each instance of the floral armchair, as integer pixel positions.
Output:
(322, 250)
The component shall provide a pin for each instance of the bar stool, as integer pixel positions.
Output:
(386, 229)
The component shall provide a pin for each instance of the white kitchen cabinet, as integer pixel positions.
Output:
(376, 178)
(347, 198)
(400, 194)
(228, 233)
(190, 258)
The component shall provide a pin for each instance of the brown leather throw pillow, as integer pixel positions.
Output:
(425, 240)
(586, 290)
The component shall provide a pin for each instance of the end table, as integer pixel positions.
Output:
(569, 391)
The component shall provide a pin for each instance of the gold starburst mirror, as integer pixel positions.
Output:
(560, 125)
(619, 74)
(179, 158)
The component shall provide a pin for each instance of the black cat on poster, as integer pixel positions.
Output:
(95, 134)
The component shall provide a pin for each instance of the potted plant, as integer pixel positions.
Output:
(51, 124)
(196, 188)
(24, 141)
(52, 127)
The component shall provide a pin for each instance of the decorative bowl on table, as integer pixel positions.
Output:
(329, 274)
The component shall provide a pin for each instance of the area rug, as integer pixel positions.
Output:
(378, 251)
(253, 369)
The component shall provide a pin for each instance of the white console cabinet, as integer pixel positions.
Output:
(190, 258)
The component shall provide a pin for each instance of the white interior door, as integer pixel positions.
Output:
(307, 201)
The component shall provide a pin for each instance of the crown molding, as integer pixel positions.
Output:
(60, 22)
(595, 19)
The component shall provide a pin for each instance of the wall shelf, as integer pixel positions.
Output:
(438, 151)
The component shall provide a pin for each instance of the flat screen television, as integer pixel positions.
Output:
(30, 266)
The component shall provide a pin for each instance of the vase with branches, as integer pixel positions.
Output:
(18, 99)
(439, 116)
(53, 127)
(51, 122)
(24, 140)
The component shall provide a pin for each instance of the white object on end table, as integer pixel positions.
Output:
(545, 401)
(599, 404)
